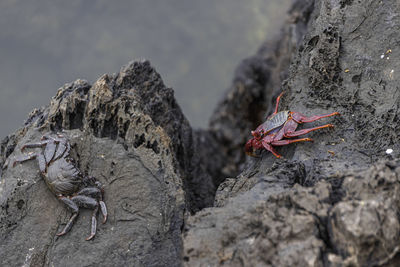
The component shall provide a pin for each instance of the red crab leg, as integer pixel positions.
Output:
(277, 103)
(268, 147)
(286, 142)
(300, 118)
(305, 131)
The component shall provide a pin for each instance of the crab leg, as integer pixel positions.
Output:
(97, 194)
(75, 210)
(268, 147)
(300, 118)
(24, 158)
(90, 203)
(49, 151)
(103, 210)
(40, 158)
(286, 142)
(305, 131)
(63, 146)
(277, 103)
(62, 149)
(93, 192)
(94, 224)
(33, 145)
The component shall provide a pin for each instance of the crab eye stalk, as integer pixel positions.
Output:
(256, 134)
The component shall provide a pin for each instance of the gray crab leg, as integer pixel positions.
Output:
(49, 151)
(46, 137)
(93, 192)
(40, 158)
(24, 158)
(42, 162)
(62, 149)
(90, 203)
(98, 194)
(75, 210)
(94, 224)
(33, 145)
(103, 209)
(63, 145)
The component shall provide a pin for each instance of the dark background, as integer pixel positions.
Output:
(194, 45)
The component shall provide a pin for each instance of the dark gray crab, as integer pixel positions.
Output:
(65, 180)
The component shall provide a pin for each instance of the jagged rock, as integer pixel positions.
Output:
(364, 226)
(303, 226)
(342, 217)
(128, 132)
(327, 203)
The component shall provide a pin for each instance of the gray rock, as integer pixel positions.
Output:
(303, 226)
(364, 226)
(327, 203)
(334, 202)
(128, 132)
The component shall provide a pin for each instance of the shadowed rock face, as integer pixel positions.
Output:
(334, 202)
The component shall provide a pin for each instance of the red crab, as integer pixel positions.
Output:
(279, 125)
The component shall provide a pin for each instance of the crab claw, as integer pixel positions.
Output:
(249, 149)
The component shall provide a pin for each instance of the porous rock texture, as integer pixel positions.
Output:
(128, 132)
(178, 196)
(333, 202)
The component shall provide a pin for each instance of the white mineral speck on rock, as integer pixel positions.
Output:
(389, 151)
(382, 56)
(250, 240)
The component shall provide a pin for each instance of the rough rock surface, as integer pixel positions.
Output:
(326, 203)
(182, 197)
(129, 133)
(303, 226)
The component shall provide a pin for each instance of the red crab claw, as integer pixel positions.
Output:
(249, 149)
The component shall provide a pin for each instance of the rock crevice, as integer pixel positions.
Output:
(179, 196)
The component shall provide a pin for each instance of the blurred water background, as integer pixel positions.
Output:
(194, 45)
